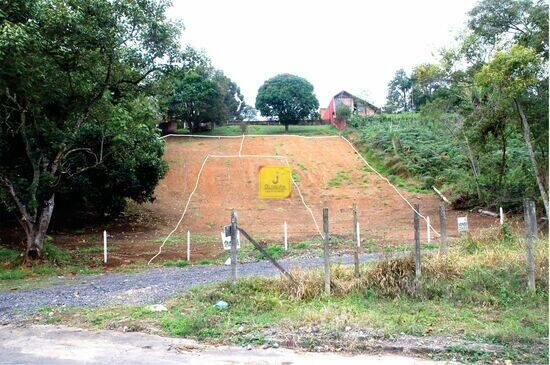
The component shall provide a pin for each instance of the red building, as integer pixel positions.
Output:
(358, 106)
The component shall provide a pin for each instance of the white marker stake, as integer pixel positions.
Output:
(501, 216)
(358, 235)
(428, 233)
(285, 228)
(188, 246)
(105, 247)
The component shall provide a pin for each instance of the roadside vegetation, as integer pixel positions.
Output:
(477, 292)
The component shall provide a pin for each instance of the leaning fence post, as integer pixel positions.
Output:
(530, 233)
(442, 230)
(233, 247)
(355, 240)
(326, 251)
(417, 269)
(501, 216)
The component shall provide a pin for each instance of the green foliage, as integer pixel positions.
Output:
(76, 80)
(340, 177)
(477, 94)
(274, 251)
(178, 263)
(399, 93)
(287, 97)
(301, 245)
(476, 295)
(343, 112)
(205, 262)
(511, 72)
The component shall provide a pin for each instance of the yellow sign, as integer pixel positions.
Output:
(275, 182)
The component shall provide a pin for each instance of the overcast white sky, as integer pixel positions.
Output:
(337, 45)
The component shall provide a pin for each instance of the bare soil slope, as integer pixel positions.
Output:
(329, 172)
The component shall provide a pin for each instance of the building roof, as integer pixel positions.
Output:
(345, 94)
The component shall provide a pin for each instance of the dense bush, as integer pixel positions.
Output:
(435, 154)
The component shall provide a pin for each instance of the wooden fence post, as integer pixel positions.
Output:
(442, 230)
(285, 231)
(104, 247)
(417, 269)
(188, 247)
(355, 240)
(326, 251)
(233, 247)
(530, 235)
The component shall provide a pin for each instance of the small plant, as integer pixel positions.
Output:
(301, 245)
(178, 263)
(205, 262)
(274, 251)
(243, 126)
(338, 179)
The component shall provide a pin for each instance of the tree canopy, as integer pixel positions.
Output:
(288, 98)
(75, 80)
(491, 91)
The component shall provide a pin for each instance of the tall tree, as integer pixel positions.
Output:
(399, 93)
(515, 74)
(287, 97)
(65, 68)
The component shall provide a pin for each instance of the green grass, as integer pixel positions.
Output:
(476, 295)
(301, 245)
(303, 130)
(274, 251)
(378, 161)
(205, 262)
(56, 261)
(177, 263)
(340, 177)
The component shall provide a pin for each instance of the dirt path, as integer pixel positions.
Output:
(64, 345)
(151, 286)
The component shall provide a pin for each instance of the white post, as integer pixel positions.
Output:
(428, 233)
(501, 216)
(285, 228)
(188, 246)
(105, 247)
(358, 235)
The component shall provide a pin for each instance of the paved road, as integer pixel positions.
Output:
(56, 345)
(146, 287)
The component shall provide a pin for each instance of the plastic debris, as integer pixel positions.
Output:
(221, 304)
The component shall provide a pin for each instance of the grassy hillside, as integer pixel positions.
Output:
(434, 153)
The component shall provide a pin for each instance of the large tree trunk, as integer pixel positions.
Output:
(36, 231)
(286, 127)
(527, 138)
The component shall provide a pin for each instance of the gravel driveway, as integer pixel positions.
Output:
(146, 287)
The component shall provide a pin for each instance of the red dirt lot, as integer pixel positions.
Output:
(232, 182)
(329, 174)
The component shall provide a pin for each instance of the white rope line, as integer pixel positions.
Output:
(184, 210)
(197, 184)
(248, 135)
(304, 202)
(241, 148)
(393, 186)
